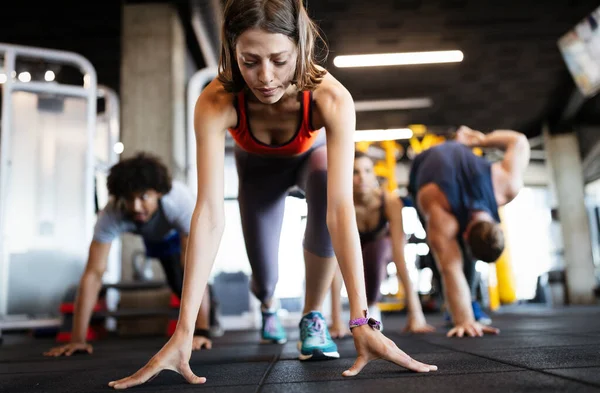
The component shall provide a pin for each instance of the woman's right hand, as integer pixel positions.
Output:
(175, 356)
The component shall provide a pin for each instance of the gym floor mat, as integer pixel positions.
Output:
(538, 349)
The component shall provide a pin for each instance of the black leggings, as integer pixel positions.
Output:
(263, 186)
(171, 265)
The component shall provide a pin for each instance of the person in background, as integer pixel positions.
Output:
(457, 195)
(144, 201)
(382, 240)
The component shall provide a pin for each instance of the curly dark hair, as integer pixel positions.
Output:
(139, 173)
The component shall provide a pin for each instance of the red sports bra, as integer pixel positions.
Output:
(302, 140)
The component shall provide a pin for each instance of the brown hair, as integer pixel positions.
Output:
(287, 17)
(486, 241)
(360, 154)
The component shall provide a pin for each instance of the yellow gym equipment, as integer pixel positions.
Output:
(507, 291)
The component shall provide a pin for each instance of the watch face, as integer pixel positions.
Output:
(374, 323)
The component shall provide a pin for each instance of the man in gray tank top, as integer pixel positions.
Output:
(144, 201)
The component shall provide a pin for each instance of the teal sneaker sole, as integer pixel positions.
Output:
(316, 354)
(273, 341)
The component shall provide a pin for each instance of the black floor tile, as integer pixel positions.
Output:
(546, 357)
(167, 381)
(239, 376)
(111, 355)
(499, 382)
(586, 374)
(447, 362)
(237, 354)
(527, 340)
(539, 350)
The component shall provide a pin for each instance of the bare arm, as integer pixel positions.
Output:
(442, 229)
(87, 296)
(337, 111)
(208, 219)
(211, 118)
(516, 156)
(340, 122)
(202, 320)
(513, 143)
(393, 209)
(89, 288)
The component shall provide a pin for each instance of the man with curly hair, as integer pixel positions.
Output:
(145, 201)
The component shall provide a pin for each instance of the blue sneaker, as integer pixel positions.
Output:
(478, 313)
(480, 316)
(315, 342)
(272, 329)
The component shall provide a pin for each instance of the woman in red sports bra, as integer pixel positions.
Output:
(267, 64)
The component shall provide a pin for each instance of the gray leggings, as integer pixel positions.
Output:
(263, 186)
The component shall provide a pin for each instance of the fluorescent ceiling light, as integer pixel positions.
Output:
(25, 76)
(389, 59)
(119, 147)
(382, 135)
(49, 76)
(386, 105)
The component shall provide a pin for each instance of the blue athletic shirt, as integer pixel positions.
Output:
(465, 179)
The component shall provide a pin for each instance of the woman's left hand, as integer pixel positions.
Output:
(371, 344)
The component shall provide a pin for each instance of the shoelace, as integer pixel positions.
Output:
(271, 324)
(314, 327)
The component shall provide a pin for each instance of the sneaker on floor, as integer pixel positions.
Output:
(480, 316)
(448, 319)
(272, 329)
(315, 342)
(216, 329)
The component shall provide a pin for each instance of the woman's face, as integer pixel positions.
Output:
(364, 180)
(267, 62)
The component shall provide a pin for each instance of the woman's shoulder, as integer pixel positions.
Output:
(331, 99)
(214, 94)
(215, 101)
(331, 90)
